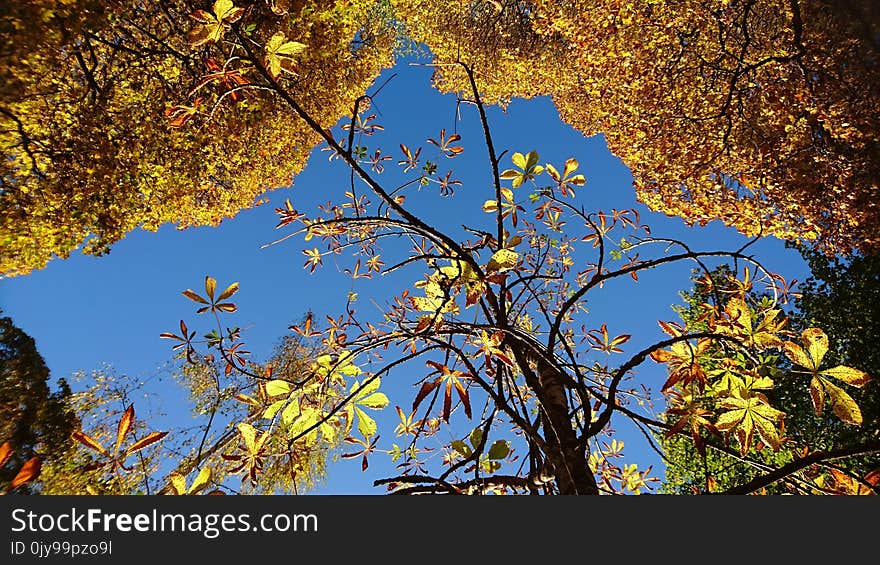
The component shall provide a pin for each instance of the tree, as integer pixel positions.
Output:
(497, 320)
(36, 421)
(762, 114)
(95, 96)
(837, 297)
(116, 453)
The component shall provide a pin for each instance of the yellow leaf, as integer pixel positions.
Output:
(817, 344)
(848, 375)
(125, 423)
(201, 481)
(277, 388)
(797, 355)
(273, 409)
(230, 290)
(290, 413)
(249, 435)
(843, 404)
(210, 287)
(502, 260)
(280, 53)
(225, 11)
(178, 483)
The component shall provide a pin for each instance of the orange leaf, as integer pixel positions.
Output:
(194, 297)
(125, 423)
(149, 439)
(88, 442)
(5, 453)
(28, 472)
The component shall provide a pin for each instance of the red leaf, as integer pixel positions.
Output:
(425, 391)
(447, 402)
(465, 398)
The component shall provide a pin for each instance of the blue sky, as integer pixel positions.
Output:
(85, 311)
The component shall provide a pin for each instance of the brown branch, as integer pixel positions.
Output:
(790, 468)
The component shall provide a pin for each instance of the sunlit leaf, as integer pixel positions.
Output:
(178, 483)
(88, 442)
(843, 404)
(202, 480)
(125, 423)
(28, 472)
(277, 388)
(502, 260)
(848, 375)
(5, 453)
(230, 290)
(145, 441)
(280, 54)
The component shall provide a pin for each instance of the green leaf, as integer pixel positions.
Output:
(368, 388)
(328, 431)
(461, 448)
(366, 425)
(395, 452)
(376, 401)
(273, 409)
(307, 418)
(531, 159)
(290, 413)
(476, 437)
(499, 449)
(277, 388)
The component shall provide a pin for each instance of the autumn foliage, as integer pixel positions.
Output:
(757, 113)
(762, 114)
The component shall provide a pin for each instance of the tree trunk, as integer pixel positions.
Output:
(570, 467)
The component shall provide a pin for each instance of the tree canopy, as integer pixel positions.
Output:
(117, 115)
(104, 105)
